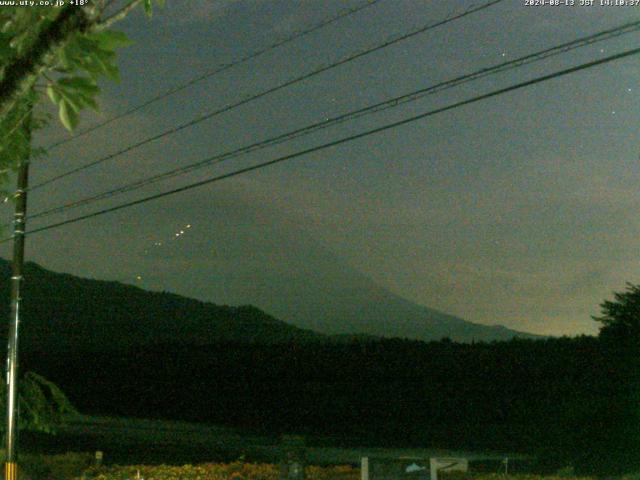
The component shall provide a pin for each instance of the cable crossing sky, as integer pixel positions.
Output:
(371, 109)
(182, 86)
(387, 43)
(494, 93)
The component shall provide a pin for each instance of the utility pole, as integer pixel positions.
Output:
(19, 224)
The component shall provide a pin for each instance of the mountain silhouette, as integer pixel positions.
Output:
(288, 274)
(62, 311)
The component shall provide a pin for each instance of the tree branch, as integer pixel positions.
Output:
(117, 16)
(17, 125)
(22, 72)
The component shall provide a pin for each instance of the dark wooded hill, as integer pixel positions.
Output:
(62, 312)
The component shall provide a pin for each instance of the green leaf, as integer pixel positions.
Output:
(64, 61)
(92, 104)
(5, 49)
(148, 8)
(77, 92)
(53, 94)
(107, 67)
(111, 39)
(71, 98)
(84, 85)
(113, 73)
(7, 26)
(68, 116)
(91, 66)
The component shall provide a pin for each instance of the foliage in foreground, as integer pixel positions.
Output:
(63, 51)
(502, 476)
(213, 471)
(53, 467)
(42, 404)
(620, 318)
(249, 471)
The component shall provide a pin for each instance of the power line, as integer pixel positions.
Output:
(193, 81)
(182, 86)
(333, 143)
(378, 107)
(264, 93)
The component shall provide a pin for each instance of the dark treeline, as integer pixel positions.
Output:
(119, 350)
(569, 401)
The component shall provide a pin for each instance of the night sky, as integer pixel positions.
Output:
(520, 210)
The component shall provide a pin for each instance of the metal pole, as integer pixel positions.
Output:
(19, 222)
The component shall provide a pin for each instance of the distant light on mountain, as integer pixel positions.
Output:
(289, 275)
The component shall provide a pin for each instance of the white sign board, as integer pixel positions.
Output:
(410, 468)
(447, 464)
(402, 468)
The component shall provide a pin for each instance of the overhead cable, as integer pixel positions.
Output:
(494, 93)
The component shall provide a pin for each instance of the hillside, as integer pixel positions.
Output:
(316, 290)
(119, 350)
(353, 304)
(291, 276)
(62, 310)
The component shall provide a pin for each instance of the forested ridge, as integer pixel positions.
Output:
(569, 400)
(119, 350)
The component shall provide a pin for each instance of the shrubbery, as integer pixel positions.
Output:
(52, 467)
(210, 471)
(78, 466)
(250, 471)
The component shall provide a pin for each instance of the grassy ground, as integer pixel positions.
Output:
(168, 450)
(210, 471)
(130, 441)
(246, 471)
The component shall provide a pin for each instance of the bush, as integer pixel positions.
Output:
(253, 471)
(210, 471)
(501, 476)
(52, 467)
(67, 465)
